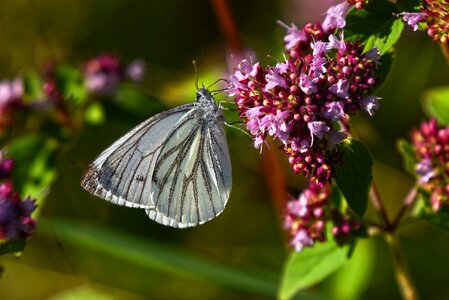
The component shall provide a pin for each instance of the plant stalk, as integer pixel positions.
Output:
(379, 205)
(402, 274)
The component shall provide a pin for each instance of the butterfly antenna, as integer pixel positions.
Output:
(216, 81)
(196, 73)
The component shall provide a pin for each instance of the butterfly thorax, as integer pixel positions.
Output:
(210, 111)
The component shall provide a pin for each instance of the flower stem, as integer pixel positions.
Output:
(275, 179)
(227, 24)
(378, 203)
(402, 274)
(408, 201)
(445, 50)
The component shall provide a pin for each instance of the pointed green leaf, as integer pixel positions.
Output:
(375, 26)
(310, 266)
(436, 104)
(354, 176)
(408, 155)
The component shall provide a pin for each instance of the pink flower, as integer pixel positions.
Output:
(337, 43)
(274, 80)
(340, 88)
(301, 239)
(293, 36)
(334, 110)
(335, 17)
(10, 92)
(412, 19)
(306, 84)
(370, 104)
(317, 128)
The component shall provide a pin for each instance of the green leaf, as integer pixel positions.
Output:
(84, 292)
(337, 198)
(436, 104)
(94, 114)
(32, 83)
(440, 219)
(383, 69)
(34, 168)
(133, 100)
(408, 155)
(409, 5)
(310, 266)
(70, 81)
(162, 258)
(375, 26)
(354, 176)
(351, 281)
(12, 247)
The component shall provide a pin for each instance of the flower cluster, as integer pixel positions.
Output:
(432, 149)
(102, 74)
(16, 222)
(305, 100)
(99, 75)
(11, 94)
(359, 4)
(307, 217)
(433, 17)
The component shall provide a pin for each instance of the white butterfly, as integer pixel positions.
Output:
(175, 165)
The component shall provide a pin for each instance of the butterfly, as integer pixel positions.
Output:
(175, 165)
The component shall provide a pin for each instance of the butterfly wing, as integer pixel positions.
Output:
(192, 179)
(122, 173)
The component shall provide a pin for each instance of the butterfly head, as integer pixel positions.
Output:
(204, 96)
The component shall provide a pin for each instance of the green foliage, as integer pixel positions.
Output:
(94, 114)
(439, 219)
(157, 257)
(132, 99)
(71, 83)
(351, 281)
(436, 104)
(384, 67)
(375, 26)
(310, 266)
(16, 246)
(408, 155)
(36, 170)
(354, 176)
(32, 83)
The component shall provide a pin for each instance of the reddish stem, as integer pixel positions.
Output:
(275, 179)
(272, 169)
(408, 201)
(227, 25)
(378, 203)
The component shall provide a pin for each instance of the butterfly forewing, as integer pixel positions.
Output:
(122, 173)
(175, 165)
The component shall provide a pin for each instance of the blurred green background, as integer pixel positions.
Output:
(86, 248)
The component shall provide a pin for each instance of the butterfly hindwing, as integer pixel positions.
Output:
(192, 178)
